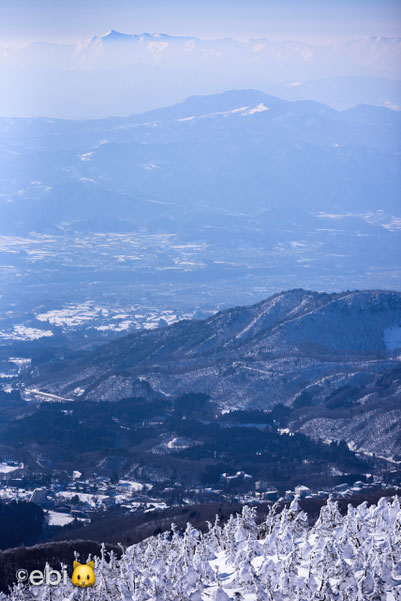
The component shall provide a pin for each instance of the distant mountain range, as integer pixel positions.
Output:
(239, 151)
(114, 49)
(334, 359)
(118, 73)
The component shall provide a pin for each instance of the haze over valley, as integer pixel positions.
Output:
(219, 200)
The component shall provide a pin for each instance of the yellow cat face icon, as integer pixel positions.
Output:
(83, 574)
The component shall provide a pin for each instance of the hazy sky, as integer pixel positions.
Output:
(23, 21)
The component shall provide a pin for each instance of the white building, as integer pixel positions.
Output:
(302, 491)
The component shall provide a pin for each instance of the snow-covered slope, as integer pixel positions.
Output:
(301, 334)
(352, 558)
(338, 351)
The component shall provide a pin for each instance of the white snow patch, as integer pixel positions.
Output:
(116, 327)
(20, 361)
(72, 315)
(78, 391)
(87, 156)
(260, 108)
(55, 518)
(22, 332)
(6, 468)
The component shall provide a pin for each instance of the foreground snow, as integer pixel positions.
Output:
(351, 558)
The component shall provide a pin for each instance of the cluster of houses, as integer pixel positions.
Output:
(263, 491)
(79, 498)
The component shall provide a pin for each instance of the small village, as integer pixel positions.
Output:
(79, 500)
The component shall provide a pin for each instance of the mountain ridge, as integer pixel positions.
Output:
(71, 80)
(269, 329)
(333, 359)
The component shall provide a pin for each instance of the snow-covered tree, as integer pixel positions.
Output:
(356, 557)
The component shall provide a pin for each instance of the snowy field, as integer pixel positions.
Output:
(6, 468)
(24, 333)
(56, 518)
(352, 558)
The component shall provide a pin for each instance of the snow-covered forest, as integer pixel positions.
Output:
(356, 557)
